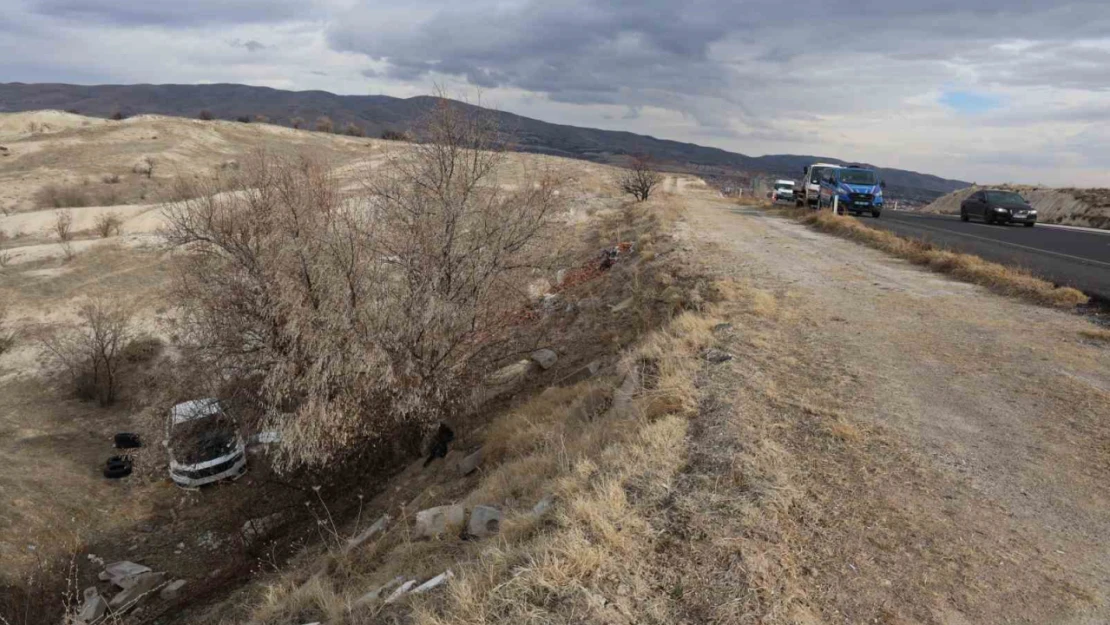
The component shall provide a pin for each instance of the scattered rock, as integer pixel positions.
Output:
(374, 595)
(543, 506)
(375, 529)
(590, 404)
(484, 521)
(717, 356)
(625, 305)
(622, 399)
(551, 301)
(511, 375)
(538, 288)
(470, 463)
(172, 590)
(435, 522)
(254, 529)
(545, 358)
(123, 574)
(435, 582)
(721, 327)
(93, 608)
(673, 295)
(143, 584)
(401, 591)
(561, 277)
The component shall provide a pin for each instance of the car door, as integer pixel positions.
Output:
(978, 205)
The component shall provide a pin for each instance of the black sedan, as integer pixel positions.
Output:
(995, 206)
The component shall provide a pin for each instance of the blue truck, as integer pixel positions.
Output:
(852, 189)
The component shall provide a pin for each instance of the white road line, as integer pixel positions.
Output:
(1024, 247)
(1040, 224)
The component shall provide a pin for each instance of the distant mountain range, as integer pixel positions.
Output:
(378, 114)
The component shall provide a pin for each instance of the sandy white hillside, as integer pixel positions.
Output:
(1073, 207)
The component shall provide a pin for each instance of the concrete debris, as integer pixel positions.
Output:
(545, 358)
(560, 277)
(622, 399)
(123, 574)
(255, 529)
(374, 595)
(368, 533)
(625, 305)
(543, 506)
(551, 301)
(470, 463)
(433, 583)
(511, 375)
(484, 521)
(401, 591)
(538, 288)
(717, 356)
(172, 590)
(437, 521)
(143, 584)
(93, 608)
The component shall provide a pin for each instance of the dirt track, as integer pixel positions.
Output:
(999, 408)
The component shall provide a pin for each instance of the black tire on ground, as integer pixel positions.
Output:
(876, 214)
(127, 440)
(964, 217)
(117, 467)
(1029, 225)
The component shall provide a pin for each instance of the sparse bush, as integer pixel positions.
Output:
(261, 119)
(110, 178)
(5, 259)
(296, 122)
(144, 167)
(324, 124)
(141, 349)
(243, 119)
(354, 130)
(63, 225)
(91, 353)
(365, 318)
(118, 115)
(62, 196)
(393, 135)
(68, 251)
(7, 334)
(640, 179)
(206, 115)
(108, 224)
(73, 111)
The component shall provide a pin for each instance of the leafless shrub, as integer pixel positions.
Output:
(363, 317)
(62, 196)
(261, 119)
(640, 179)
(7, 334)
(243, 119)
(5, 259)
(145, 166)
(354, 130)
(324, 124)
(118, 115)
(91, 353)
(393, 135)
(296, 122)
(63, 225)
(68, 251)
(141, 349)
(110, 178)
(108, 224)
(205, 115)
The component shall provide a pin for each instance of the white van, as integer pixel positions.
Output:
(783, 192)
(810, 190)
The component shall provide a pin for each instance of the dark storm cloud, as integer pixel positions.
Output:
(173, 13)
(675, 54)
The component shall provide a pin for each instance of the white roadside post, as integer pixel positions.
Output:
(836, 204)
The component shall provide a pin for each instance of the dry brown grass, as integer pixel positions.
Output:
(967, 267)
(1099, 335)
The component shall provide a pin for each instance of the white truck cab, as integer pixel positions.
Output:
(783, 192)
(810, 190)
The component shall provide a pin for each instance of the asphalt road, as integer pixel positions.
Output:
(1067, 256)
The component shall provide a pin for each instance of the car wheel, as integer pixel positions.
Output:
(988, 218)
(1029, 225)
(117, 467)
(876, 214)
(963, 215)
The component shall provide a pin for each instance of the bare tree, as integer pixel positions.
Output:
(640, 179)
(108, 224)
(205, 115)
(90, 353)
(354, 130)
(63, 225)
(296, 122)
(324, 124)
(365, 316)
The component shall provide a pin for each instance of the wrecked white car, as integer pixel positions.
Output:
(204, 444)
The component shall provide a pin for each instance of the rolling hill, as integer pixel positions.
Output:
(377, 114)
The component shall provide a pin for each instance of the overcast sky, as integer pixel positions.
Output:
(983, 90)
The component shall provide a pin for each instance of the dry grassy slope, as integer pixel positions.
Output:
(1072, 207)
(46, 503)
